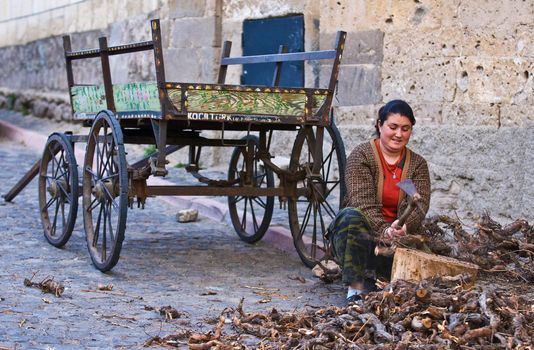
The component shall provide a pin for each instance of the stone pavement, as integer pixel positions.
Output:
(198, 268)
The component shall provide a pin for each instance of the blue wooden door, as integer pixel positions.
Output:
(264, 36)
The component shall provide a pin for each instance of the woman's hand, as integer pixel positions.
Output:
(394, 231)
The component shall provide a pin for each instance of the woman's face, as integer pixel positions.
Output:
(395, 133)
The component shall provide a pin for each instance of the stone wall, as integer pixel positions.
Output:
(467, 69)
(465, 66)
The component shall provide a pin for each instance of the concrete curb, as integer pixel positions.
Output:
(31, 139)
(276, 235)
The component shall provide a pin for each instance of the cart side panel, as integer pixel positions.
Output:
(248, 104)
(133, 100)
(89, 99)
(245, 102)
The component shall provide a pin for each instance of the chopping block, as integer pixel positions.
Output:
(415, 265)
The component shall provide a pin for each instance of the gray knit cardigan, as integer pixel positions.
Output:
(365, 180)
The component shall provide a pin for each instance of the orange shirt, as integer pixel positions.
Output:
(390, 192)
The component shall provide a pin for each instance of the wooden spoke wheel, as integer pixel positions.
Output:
(58, 189)
(105, 191)
(319, 196)
(250, 216)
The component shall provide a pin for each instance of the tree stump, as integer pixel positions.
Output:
(410, 264)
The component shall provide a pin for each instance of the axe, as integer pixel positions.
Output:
(414, 198)
(408, 187)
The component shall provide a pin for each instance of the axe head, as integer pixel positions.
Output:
(414, 200)
(408, 187)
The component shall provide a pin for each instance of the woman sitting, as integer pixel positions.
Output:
(373, 202)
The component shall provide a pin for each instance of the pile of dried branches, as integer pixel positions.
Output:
(438, 313)
(434, 314)
(492, 247)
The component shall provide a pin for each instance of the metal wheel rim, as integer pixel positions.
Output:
(245, 211)
(105, 192)
(58, 190)
(309, 225)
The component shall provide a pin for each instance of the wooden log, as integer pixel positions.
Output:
(410, 264)
(423, 294)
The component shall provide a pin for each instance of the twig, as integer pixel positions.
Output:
(110, 293)
(119, 325)
(268, 294)
(262, 288)
(120, 317)
(361, 328)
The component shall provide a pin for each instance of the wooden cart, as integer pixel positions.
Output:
(172, 115)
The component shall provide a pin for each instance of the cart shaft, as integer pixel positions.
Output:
(23, 182)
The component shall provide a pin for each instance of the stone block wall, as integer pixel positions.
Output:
(466, 67)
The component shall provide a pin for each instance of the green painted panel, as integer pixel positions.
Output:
(88, 98)
(133, 97)
(246, 102)
(175, 95)
(318, 101)
(129, 97)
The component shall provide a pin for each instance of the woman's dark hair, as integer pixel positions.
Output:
(394, 107)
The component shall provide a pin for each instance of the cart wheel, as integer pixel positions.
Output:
(105, 191)
(318, 198)
(58, 189)
(250, 216)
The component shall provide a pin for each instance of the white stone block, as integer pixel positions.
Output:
(355, 115)
(495, 79)
(506, 14)
(358, 84)
(385, 14)
(418, 79)
(185, 32)
(187, 215)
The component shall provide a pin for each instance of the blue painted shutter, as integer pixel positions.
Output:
(264, 36)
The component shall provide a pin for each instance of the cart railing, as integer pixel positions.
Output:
(112, 50)
(283, 56)
(194, 102)
(88, 100)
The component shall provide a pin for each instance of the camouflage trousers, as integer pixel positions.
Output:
(353, 248)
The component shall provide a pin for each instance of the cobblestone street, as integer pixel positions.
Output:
(198, 268)
(266, 175)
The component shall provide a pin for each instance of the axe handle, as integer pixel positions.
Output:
(411, 206)
(405, 214)
(389, 250)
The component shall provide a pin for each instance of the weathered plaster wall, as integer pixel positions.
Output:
(465, 66)
(29, 20)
